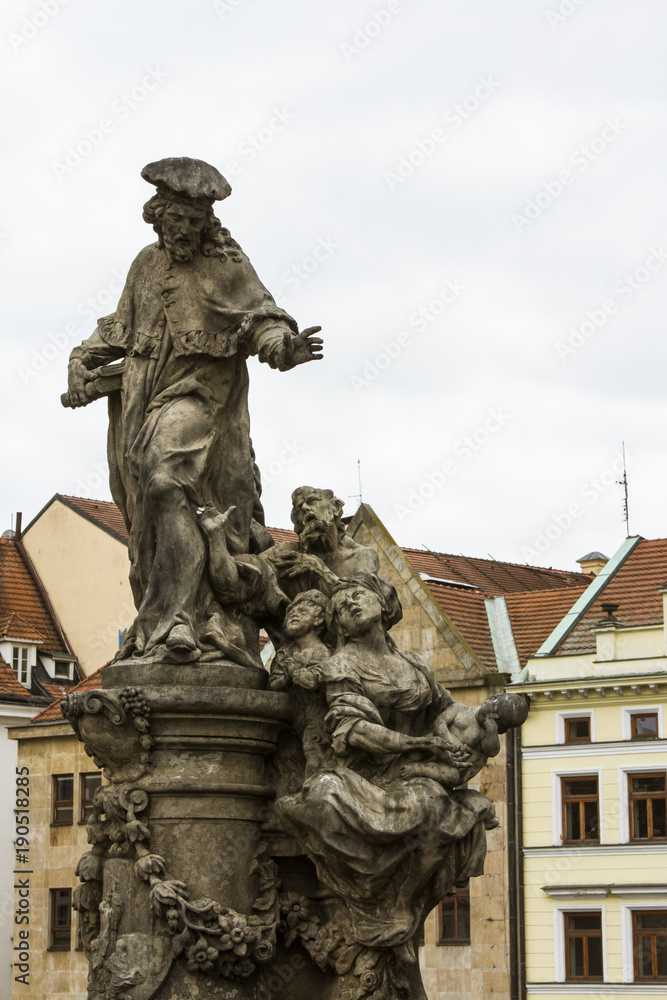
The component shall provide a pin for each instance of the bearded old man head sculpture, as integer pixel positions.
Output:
(316, 516)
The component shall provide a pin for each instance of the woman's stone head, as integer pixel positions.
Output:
(360, 602)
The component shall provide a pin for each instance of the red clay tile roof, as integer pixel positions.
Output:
(16, 627)
(100, 512)
(9, 686)
(52, 712)
(466, 610)
(535, 614)
(56, 690)
(19, 595)
(634, 587)
(283, 535)
(490, 576)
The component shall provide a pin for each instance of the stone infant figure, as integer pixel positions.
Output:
(477, 730)
(296, 666)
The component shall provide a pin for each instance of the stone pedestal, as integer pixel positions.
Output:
(185, 749)
(190, 891)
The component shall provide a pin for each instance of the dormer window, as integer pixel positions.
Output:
(21, 663)
(62, 669)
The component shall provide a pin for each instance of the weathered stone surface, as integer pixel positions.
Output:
(182, 466)
(261, 836)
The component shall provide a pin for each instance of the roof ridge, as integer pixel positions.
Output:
(566, 626)
(71, 503)
(502, 562)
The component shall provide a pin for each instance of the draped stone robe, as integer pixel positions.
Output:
(179, 430)
(387, 846)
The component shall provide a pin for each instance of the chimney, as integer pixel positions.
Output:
(663, 591)
(593, 563)
(605, 632)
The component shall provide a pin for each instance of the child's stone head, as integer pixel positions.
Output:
(305, 614)
(511, 710)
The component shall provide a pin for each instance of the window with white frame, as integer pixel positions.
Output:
(642, 796)
(579, 944)
(575, 727)
(642, 722)
(644, 942)
(577, 807)
(21, 663)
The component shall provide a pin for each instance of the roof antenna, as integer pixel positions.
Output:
(624, 483)
(358, 496)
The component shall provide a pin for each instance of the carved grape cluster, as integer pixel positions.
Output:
(134, 702)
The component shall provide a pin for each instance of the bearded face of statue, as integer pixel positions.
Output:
(181, 226)
(317, 518)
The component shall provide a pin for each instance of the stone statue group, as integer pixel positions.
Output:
(372, 785)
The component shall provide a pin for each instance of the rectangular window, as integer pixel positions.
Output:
(649, 941)
(60, 920)
(454, 918)
(583, 946)
(88, 785)
(63, 800)
(580, 809)
(647, 794)
(578, 730)
(644, 726)
(20, 657)
(61, 669)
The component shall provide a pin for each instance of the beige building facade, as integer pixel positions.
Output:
(79, 549)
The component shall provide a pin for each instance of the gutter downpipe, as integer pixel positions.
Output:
(515, 867)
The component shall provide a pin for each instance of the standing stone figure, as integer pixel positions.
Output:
(260, 836)
(191, 312)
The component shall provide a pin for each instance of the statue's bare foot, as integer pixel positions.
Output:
(181, 638)
(212, 521)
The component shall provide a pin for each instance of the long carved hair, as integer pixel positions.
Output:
(216, 241)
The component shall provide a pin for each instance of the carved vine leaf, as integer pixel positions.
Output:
(112, 824)
(87, 896)
(90, 866)
(215, 939)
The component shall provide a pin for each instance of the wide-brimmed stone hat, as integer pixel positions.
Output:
(187, 179)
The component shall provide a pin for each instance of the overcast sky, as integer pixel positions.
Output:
(467, 197)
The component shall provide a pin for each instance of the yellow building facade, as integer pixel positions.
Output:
(594, 789)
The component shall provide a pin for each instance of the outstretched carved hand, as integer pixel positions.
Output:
(77, 378)
(304, 347)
